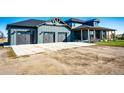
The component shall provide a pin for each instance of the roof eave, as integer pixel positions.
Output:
(7, 27)
(87, 28)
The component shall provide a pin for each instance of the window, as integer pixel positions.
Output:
(91, 33)
(73, 24)
(95, 23)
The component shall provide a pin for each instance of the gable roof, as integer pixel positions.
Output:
(86, 27)
(56, 18)
(35, 23)
(82, 21)
(95, 19)
(75, 20)
(27, 23)
(64, 23)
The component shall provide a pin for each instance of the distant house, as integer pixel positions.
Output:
(120, 36)
(55, 30)
(1, 34)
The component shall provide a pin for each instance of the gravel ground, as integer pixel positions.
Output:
(91, 60)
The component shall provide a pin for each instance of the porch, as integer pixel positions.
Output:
(93, 34)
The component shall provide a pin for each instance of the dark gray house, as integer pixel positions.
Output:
(55, 30)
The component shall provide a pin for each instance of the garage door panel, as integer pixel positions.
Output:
(49, 37)
(27, 38)
(62, 37)
(23, 38)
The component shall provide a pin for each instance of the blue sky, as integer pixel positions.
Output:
(111, 22)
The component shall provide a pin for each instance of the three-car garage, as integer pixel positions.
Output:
(37, 31)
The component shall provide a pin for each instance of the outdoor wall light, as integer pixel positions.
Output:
(40, 33)
(13, 32)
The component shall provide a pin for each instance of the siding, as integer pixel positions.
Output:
(12, 37)
(74, 25)
(55, 29)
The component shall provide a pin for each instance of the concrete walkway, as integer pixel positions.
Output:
(21, 50)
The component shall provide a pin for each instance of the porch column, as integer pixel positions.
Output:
(81, 35)
(88, 35)
(106, 35)
(111, 35)
(94, 35)
(101, 34)
(114, 35)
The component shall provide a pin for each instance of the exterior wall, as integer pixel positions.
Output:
(76, 25)
(9, 36)
(12, 37)
(12, 32)
(55, 29)
(73, 24)
(90, 23)
(95, 23)
(72, 36)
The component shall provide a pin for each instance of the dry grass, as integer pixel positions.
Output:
(1, 47)
(3, 40)
(10, 53)
(82, 60)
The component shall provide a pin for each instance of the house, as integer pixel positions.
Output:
(120, 36)
(34, 31)
(1, 34)
(89, 30)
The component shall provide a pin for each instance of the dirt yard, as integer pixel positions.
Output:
(3, 40)
(76, 61)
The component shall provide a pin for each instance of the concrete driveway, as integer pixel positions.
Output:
(21, 50)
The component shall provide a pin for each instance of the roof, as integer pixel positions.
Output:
(82, 21)
(33, 23)
(75, 20)
(86, 27)
(27, 23)
(95, 19)
(36, 23)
